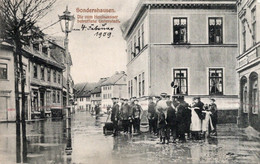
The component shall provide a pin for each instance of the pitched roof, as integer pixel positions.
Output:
(114, 78)
(84, 89)
(97, 89)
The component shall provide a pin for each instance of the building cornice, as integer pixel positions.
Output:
(185, 4)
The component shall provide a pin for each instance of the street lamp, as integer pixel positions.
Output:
(67, 22)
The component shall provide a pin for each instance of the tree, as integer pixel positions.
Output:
(17, 18)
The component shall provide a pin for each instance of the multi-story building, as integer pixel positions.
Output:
(114, 86)
(96, 94)
(189, 43)
(248, 62)
(7, 88)
(43, 88)
(83, 95)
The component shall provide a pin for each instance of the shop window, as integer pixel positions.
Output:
(216, 81)
(179, 30)
(254, 95)
(243, 96)
(180, 81)
(3, 71)
(215, 30)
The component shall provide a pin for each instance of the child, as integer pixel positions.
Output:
(161, 125)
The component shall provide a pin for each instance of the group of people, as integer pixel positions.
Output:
(129, 114)
(167, 117)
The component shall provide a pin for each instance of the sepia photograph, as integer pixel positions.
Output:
(129, 82)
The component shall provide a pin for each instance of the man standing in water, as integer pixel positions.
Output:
(151, 115)
(115, 115)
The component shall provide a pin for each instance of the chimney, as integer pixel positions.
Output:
(122, 72)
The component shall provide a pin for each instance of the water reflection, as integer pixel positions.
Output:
(51, 141)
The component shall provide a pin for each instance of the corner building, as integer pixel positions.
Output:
(192, 43)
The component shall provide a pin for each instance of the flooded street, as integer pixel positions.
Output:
(47, 140)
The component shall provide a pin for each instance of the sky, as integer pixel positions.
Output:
(92, 57)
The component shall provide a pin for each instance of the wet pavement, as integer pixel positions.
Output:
(47, 140)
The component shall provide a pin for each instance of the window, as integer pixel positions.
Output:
(3, 71)
(216, 81)
(253, 20)
(254, 94)
(58, 96)
(54, 96)
(243, 97)
(59, 78)
(179, 30)
(244, 35)
(139, 85)
(35, 71)
(42, 73)
(143, 84)
(98, 95)
(142, 31)
(134, 46)
(139, 42)
(131, 88)
(131, 49)
(180, 81)
(48, 74)
(215, 31)
(54, 76)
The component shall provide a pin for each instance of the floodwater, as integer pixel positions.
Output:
(46, 142)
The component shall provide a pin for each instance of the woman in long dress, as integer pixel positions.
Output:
(196, 118)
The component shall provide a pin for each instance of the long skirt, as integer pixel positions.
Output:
(195, 121)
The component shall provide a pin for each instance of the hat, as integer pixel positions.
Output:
(196, 98)
(125, 99)
(114, 98)
(180, 98)
(150, 98)
(212, 99)
(163, 95)
(168, 96)
(136, 100)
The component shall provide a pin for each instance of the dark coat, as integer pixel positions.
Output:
(161, 120)
(125, 111)
(115, 115)
(183, 117)
(151, 111)
(137, 109)
(171, 117)
(214, 116)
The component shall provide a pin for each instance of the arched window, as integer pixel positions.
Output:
(243, 96)
(253, 93)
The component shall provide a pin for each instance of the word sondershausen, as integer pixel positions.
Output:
(97, 10)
